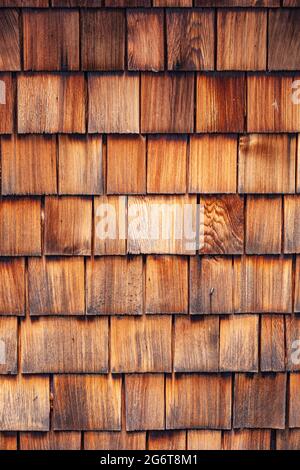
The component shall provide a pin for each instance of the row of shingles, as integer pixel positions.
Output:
(189, 40)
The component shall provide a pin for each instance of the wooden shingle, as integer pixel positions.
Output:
(284, 36)
(24, 403)
(167, 102)
(50, 103)
(166, 284)
(166, 164)
(238, 32)
(6, 103)
(196, 344)
(51, 39)
(145, 36)
(108, 242)
(167, 440)
(113, 103)
(102, 39)
(294, 401)
(126, 165)
(80, 347)
(259, 401)
(115, 440)
(86, 402)
(247, 440)
(20, 227)
(272, 345)
(292, 329)
(172, 3)
(34, 156)
(267, 164)
(56, 286)
(141, 344)
(297, 285)
(212, 164)
(10, 51)
(50, 441)
(145, 402)
(115, 285)
(292, 224)
(8, 441)
(220, 103)
(195, 401)
(288, 439)
(8, 345)
(238, 3)
(68, 226)
(12, 286)
(273, 103)
(204, 440)
(127, 3)
(190, 39)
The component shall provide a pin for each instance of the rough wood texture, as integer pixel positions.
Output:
(50, 441)
(63, 281)
(204, 440)
(6, 104)
(194, 401)
(166, 440)
(115, 440)
(247, 440)
(272, 347)
(8, 346)
(242, 40)
(12, 286)
(294, 401)
(190, 39)
(292, 224)
(212, 164)
(239, 3)
(145, 36)
(297, 285)
(10, 51)
(284, 40)
(292, 331)
(8, 441)
(106, 242)
(288, 439)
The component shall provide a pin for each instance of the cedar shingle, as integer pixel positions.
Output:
(204, 440)
(141, 344)
(294, 401)
(194, 401)
(242, 40)
(25, 3)
(86, 402)
(172, 3)
(113, 103)
(80, 164)
(297, 285)
(68, 226)
(247, 440)
(115, 440)
(56, 286)
(8, 441)
(10, 53)
(166, 284)
(284, 40)
(190, 39)
(289, 439)
(292, 326)
(167, 440)
(81, 345)
(102, 39)
(50, 103)
(259, 401)
(33, 156)
(167, 102)
(292, 224)
(77, 3)
(12, 286)
(220, 103)
(272, 346)
(196, 344)
(126, 165)
(145, 33)
(6, 103)
(51, 39)
(24, 403)
(8, 345)
(114, 285)
(212, 164)
(238, 3)
(108, 242)
(127, 3)
(50, 441)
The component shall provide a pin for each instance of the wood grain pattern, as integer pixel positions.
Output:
(166, 284)
(207, 294)
(166, 164)
(167, 103)
(167, 440)
(127, 3)
(126, 165)
(80, 165)
(113, 103)
(6, 108)
(68, 226)
(238, 3)
(272, 346)
(51, 39)
(10, 51)
(8, 441)
(204, 440)
(247, 440)
(63, 286)
(24, 403)
(240, 31)
(25, 3)
(8, 345)
(220, 103)
(172, 3)
(288, 439)
(194, 400)
(20, 227)
(270, 107)
(259, 401)
(50, 441)
(196, 344)
(141, 344)
(80, 347)
(292, 330)
(212, 164)
(145, 402)
(50, 103)
(102, 39)
(292, 224)
(114, 285)
(86, 402)
(222, 227)
(115, 440)
(297, 285)
(283, 37)
(267, 164)
(106, 242)
(294, 401)
(12, 286)
(77, 3)
(34, 156)
(145, 39)
(190, 39)
(239, 343)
